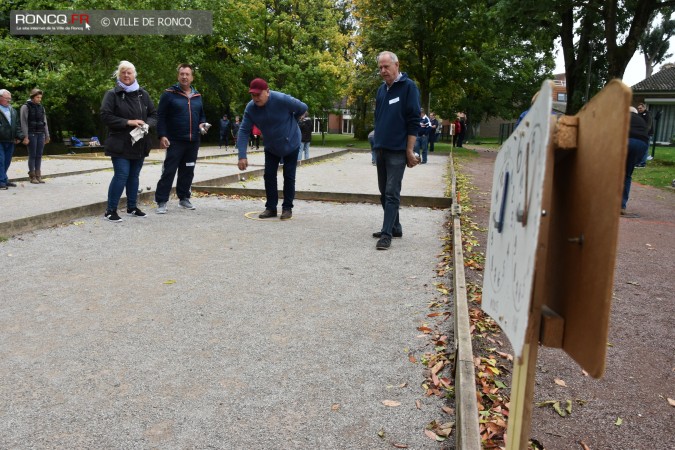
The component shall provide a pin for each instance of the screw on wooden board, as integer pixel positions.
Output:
(577, 240)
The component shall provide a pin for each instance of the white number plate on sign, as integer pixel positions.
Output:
(515, 215)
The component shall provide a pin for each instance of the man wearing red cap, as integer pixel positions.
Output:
(276, 114)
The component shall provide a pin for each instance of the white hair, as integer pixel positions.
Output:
(124, 65)
(393, 56)
(633, 109)
(3, 92)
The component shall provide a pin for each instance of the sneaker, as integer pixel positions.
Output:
(640, 166)
(378, 234)
(10, 184)
(267, 214)
(112, 216)
(3, 187)
(161, 208)
(286, 214)
(650, 157)
(185, 203)
(384, 243)
(136, 212)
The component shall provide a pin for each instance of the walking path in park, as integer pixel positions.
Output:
(207, 329)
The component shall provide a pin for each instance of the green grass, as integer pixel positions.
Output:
(346, 140)
(660, 172)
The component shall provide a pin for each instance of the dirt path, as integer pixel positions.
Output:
(628, 408)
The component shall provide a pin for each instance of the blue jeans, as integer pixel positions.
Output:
(36, 147)
(421, 147)
(126, 176)
(6, 152)
(636, 149)
(390, 167)
(181, 156)
(643, 160)
(304, 147)
(271, 191)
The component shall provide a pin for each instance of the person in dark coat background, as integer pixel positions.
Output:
(306, 127)
(638, 143)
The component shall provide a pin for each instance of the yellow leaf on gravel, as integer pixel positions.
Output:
(618, 422)
(560, 382)
(170, 282)
(335, 406)
(671, 401)
(391, 403)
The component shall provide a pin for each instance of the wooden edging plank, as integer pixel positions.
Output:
(468, 432)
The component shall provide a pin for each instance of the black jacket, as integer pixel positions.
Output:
(306, 128)
(119, 106)
(638, 128)
(10, 132)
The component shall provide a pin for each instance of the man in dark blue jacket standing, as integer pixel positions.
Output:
(397, 121)
(180, 121)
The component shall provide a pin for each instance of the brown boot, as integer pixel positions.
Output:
(38, 176)
(31, 175)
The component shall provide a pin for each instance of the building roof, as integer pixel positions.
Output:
(663, 81)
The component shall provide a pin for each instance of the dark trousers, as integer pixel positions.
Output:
(271, 190)
(390, 168)
(224, 137)
(181, 156)
(432, 140)
(36, 146)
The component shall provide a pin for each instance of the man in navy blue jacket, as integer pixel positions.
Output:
(397, 121)
(180, 120)
(276, 114)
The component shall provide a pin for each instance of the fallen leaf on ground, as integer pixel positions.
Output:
(634, 283)
(170, 282)
(418, 404)
(671, 401)
(448, 410)
(391, 403)
(335, 407)
(560, 382)
(399, 445)
(431, 435)
(618, 422)
(381, 434)
(412, 359)
(584, 446)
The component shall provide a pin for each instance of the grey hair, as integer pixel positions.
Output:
(3, 92)
(392, 55)
(124, 65)
(633, 109)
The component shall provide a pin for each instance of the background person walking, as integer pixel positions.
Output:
(128, 112)
(34, 127)
(180, 121)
